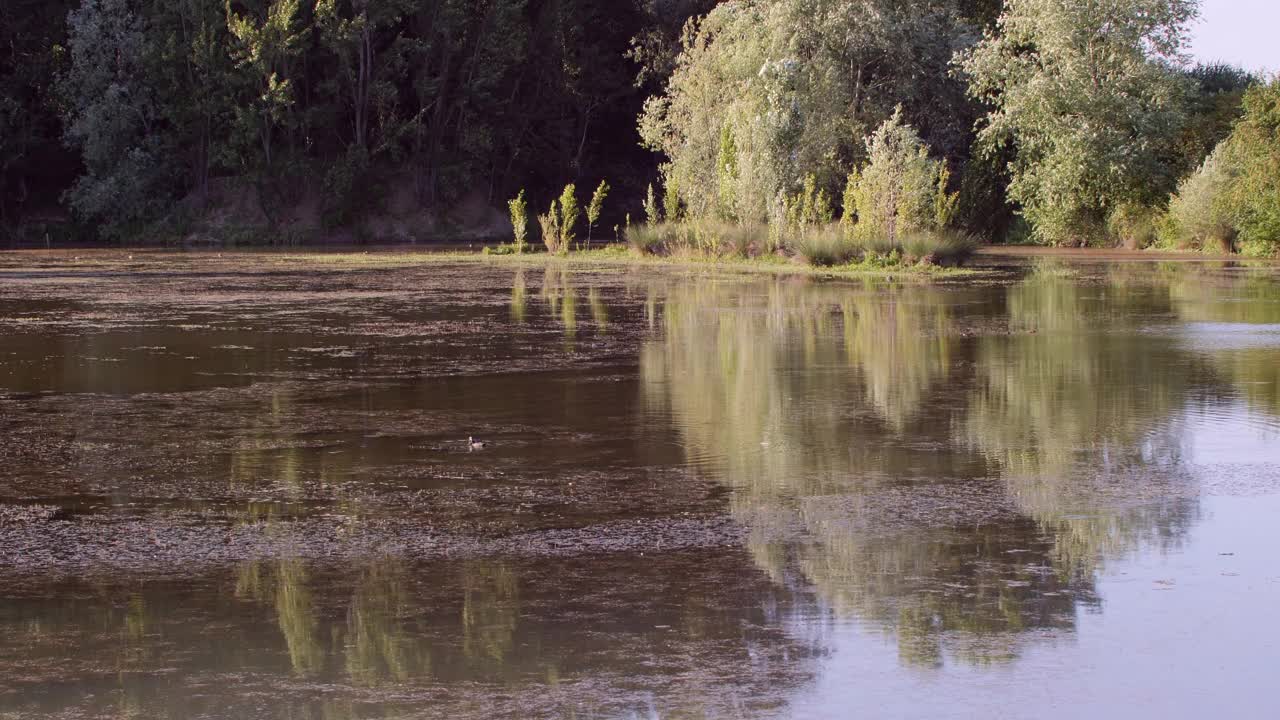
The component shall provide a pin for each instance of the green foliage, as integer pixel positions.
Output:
(811, 206)
(706, 237)
(1235, 194)
(1254, 148)
(110, 116)
(764, 93)
(944, 246)
(518, 208)
(346, 187)
(32, 159)
(1133, 225)
(652, 214)
(760, 110)
(1087, 95)
(263, 50)
(901, 190)
(596, 206)
(649, 239)
(551, 231)
(849, 203)
(569, 213)
(671, 201)
(944, 203)
(1213, 106)
(727, 172)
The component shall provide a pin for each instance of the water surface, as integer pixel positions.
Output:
(239, 486)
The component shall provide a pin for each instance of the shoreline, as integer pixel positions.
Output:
(987, 261)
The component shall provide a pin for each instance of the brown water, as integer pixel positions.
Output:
(238, 486)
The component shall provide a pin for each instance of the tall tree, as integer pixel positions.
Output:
(112, 116)
(263, 50)
(799, 83)
(1089, 96)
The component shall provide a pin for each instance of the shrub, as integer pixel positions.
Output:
(597, 204)
(1234, 197)
(875, 244)
(1254, 199)
(550, 225)
(705, 237)
(1133, 225)
(743, 240)
(568, 216)
(652, 214)
(901, 190)
(1199, 216)
(671, 201)
(519, 220)
(811, 206)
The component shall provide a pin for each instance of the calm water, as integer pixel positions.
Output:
(239, 487)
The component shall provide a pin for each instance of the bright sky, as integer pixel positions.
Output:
(1240, 32)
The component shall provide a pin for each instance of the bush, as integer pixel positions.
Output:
(596, 207)
(519, 220)
(568, 216)
(652, 215)
(1254, 199)
(1234, 198)
(550, 226)
(1133, 225)
(901, 190)
(1199, 216)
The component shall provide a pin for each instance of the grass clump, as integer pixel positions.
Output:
(825, 246)
(947, 247)
(650, 238)
(704, 238)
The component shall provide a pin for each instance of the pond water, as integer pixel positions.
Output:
(239, 485)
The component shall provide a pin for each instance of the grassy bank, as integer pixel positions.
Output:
(619, 256)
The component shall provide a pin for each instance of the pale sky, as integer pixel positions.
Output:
(1240, 32)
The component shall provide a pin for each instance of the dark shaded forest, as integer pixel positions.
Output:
(116, 111)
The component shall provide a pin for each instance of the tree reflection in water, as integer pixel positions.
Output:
(942, 476)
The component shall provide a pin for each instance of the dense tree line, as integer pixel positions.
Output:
(1054, 121)
(1064, 122)
(120, 108)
